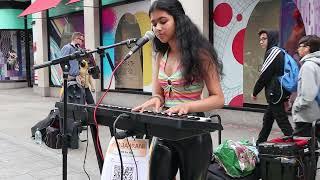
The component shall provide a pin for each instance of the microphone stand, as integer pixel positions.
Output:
(76, 55)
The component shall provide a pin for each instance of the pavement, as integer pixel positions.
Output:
(22, 159)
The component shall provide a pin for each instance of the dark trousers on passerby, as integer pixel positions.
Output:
(274, 112)
(302, 129)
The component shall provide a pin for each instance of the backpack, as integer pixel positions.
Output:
(75, 93)
(289, 79)
(51, 119)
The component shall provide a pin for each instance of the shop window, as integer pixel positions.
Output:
(60, 32)
(287, 21)
(119, 23)
(235, 37)
(129, 74)
(12, 55)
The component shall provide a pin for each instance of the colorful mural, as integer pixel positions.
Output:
(60, 32)
(236, 24)
(310, 12)
(120, 23)
(230, 21)
(293, 28)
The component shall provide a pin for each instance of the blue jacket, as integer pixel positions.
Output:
(73, 64)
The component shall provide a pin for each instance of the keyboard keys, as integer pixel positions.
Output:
(159, 114)
(193, 118)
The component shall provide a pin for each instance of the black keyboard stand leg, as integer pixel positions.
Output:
(219, 121)
(111, 131)
(97, 146)
(314, 147)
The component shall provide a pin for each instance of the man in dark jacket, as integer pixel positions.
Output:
(272, 68)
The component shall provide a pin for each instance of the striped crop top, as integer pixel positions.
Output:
(174, 88)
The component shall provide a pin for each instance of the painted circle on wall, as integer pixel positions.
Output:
(237, 46)
(222, 14)
(237, 101)
(239, 17)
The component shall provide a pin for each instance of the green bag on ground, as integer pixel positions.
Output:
(236, 158)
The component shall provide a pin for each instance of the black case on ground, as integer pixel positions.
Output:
(284, 161)
(53, 138)
(216, 172)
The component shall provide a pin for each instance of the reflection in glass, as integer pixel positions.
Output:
(129, 75)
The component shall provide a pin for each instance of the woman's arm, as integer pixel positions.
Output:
(156, 89)
(157, 98)
(215, 99)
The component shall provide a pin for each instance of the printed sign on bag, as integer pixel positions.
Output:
(112, 167)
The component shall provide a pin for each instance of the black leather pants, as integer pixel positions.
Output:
(191, 156)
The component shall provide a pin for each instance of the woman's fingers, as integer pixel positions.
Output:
(155, 103)
(136, 108)
(157, 106)
(180, 110)
(142, 107)
(171, 111)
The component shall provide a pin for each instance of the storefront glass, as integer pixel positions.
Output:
(12, 55)
(60, 31)
(235, 28)
(12, 45)
(119, 23)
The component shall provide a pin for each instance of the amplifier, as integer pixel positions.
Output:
(293, 147)
(290, 160)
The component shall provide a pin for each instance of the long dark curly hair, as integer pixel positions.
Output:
(191, 43)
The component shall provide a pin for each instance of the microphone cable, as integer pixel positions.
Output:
(97, 105)
(95, 116)
(116, 139)
(100, 100)
(86, 152)
(118, 147)
(134, 159)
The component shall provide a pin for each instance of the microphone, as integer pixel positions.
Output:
(78, 48)
(142, 41)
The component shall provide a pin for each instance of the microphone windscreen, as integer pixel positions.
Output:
(150, 35)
